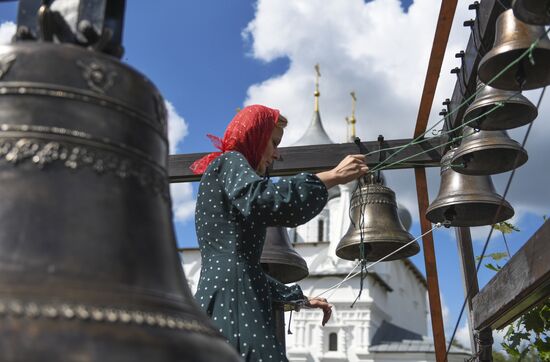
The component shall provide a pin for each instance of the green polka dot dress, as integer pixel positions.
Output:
(234, 207)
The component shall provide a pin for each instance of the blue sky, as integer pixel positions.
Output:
(209, 57)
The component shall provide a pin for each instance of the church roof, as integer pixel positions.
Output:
(391, 338)
(315, 133)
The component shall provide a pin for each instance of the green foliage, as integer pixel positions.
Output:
(494, 256)
(505, 227)
(530, 356)
(493, 267)
(528, 338)
(529, 335)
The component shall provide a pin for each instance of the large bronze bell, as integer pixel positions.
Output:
(513, 37)
(487, 153)
(465, 200)
(515, 110)
(532, 11)
(374, 215)
(279, 259)
(88, 263)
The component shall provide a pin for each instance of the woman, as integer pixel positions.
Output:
(235, 204)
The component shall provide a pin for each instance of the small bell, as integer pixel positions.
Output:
(375, 217)
(279, 259)
(515, 110)
(513, 37)
(487, 153)
(465, 200)
(535, 12)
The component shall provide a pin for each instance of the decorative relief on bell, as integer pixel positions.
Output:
(42, 152)
(97, 75)
(20, 309)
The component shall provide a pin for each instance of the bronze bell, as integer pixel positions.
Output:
(532, 11)
(515, 110)
(487, 153)
(383, 232)
(513, 37)
(465, 200)
(279, 259)
(88, 263)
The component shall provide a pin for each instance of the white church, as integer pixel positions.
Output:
(389, 322)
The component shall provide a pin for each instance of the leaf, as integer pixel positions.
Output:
(497, 256)
(510, 350)
(493, 267)
(533, 321)
(505, 227)
(542, 346)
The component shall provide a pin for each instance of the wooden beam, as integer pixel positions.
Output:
(324, 157)
(431, 266)
(442, 31)
(482, 37)
(469, 275)
(522, 283)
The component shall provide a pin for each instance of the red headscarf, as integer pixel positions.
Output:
(248, 133)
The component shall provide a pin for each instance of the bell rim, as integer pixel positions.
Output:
(435, 211)
(507, 51)
(291, 260)
(295, 271)
(492, 123)
(412, 249)
(519, 154)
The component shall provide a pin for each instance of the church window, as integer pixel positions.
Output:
(333, 342)
(320, 229)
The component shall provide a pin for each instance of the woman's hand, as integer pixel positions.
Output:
(321, 303)
(350, 168)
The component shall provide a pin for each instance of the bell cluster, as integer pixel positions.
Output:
(519, 60)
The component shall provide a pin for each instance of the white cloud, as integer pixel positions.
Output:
(183, 203)
(463, 336)
(381, 52)
(177, 128)
(7, 30)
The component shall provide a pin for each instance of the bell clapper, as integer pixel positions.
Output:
(364, 151)
(449, 216)
(380, 157)
(520, 73)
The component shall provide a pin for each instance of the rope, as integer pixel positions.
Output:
(351, 275)
(492, 228)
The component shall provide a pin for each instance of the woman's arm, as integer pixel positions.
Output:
(350, 168)
(291, 201)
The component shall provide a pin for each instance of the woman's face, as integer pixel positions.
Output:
(271, 152)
